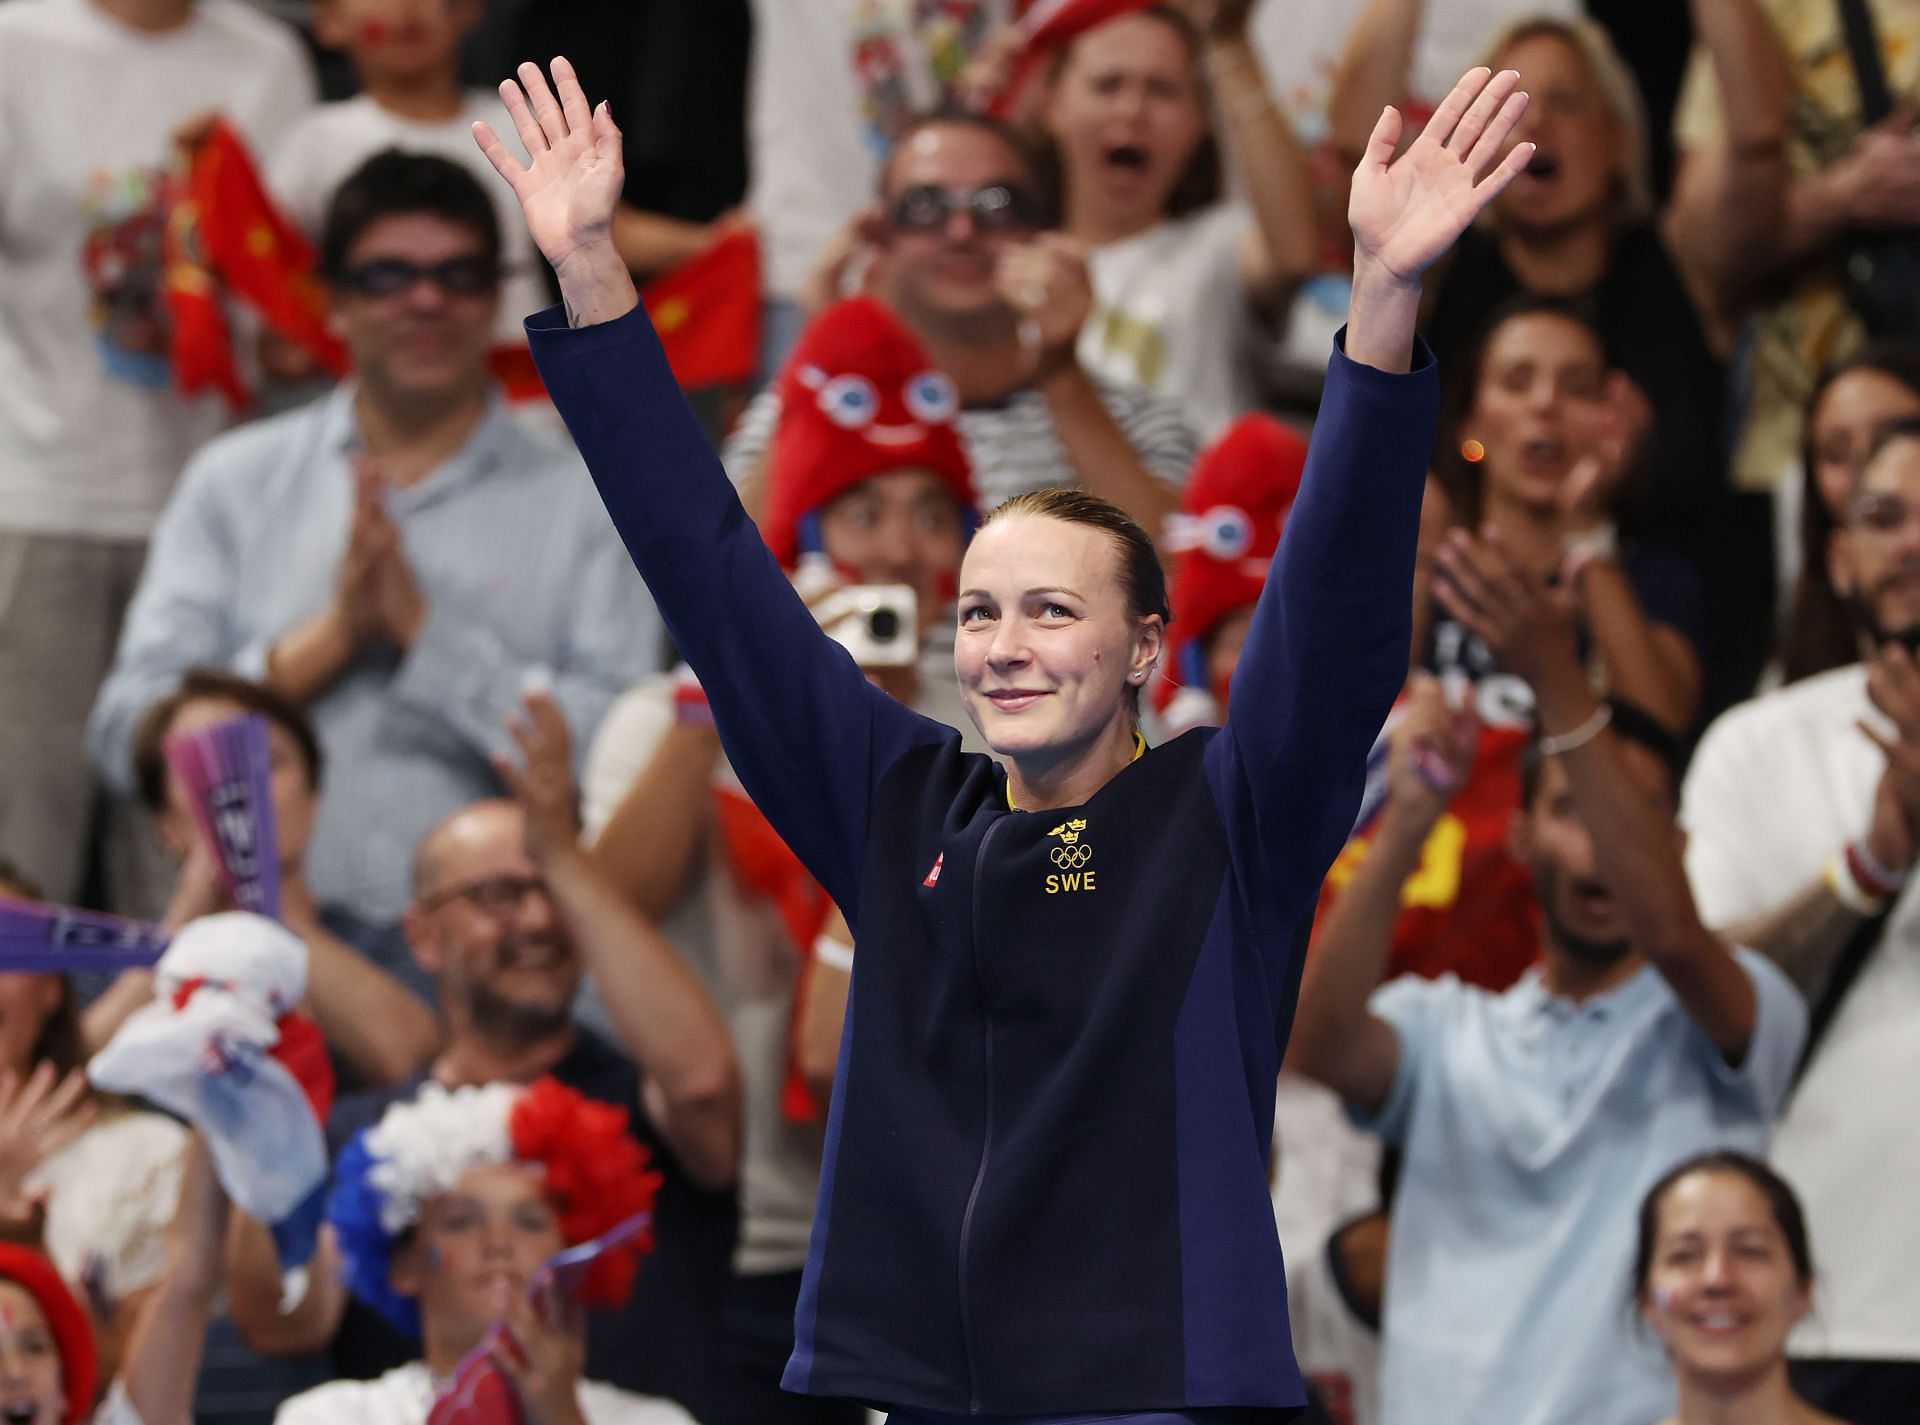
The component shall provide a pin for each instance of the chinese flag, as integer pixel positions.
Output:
(1469, 910)
(707, 311)
(1049, 25)
(224, 235)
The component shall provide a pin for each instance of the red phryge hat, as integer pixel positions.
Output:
(1225, 535)
(72, 1332)
(859, 397)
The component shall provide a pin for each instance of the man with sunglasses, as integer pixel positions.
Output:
(398, 558)
(957, 245)
(509, 917)
(1802, 810)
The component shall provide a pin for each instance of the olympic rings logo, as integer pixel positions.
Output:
(1072, 858)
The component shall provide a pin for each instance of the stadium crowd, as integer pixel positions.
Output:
(1592, 1111)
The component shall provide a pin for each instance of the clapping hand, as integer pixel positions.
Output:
(1612, 438)
(1527, 625)
(1406, 212)
(1893, 686)
(376, 597)
(542, 782)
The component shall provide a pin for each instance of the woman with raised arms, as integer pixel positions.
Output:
(1044, 1190)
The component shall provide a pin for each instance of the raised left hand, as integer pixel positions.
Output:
(1525, 624)
(542, 782)
(1612, 437)
(1405, 212)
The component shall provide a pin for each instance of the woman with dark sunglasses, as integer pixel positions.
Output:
(1044, 1189)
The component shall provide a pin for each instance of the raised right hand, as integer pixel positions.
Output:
(571, 187)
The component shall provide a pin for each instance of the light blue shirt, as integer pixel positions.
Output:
(523, 575)
(1531, 1128)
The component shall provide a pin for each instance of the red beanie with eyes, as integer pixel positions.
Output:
(72, 1332)
(858, 398)
(1227, 531)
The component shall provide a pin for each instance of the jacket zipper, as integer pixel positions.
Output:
(986, 1140)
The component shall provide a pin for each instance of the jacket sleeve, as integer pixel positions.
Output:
(1327, 650)
(806, 733)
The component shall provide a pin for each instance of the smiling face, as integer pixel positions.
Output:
(427, 342)
(1575, 175)
(476, 1247)
(1537, 407)
(31, 1390)
(484, 926)
(945, 274)
(1127, 113)
(1722, 1287)
(1846, 421)
(1049, 656)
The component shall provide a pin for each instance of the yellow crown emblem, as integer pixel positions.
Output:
(1069, 831)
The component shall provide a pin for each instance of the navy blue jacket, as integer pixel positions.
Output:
(1045, 1185)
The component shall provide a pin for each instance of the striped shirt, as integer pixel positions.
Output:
(1012, 443)
(524, 580)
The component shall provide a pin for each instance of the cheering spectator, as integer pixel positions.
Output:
(956, 248)
(1855, 181)
(93, 1184)
(445, 1211)
(1190, 292)
(888, 501)
(1802, 810)
(1722, 1272)
(509, 915)
(833, 86)
(381, 1033)
(1528, 1119)
(1581, 225)
(1854, 401)
(92, 433)
(1537, 440)
(406, 55)
(399, 558)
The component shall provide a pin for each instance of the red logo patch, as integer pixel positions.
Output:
(933, 876)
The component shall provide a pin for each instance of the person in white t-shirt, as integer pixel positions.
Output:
(1802, 811)
(406, 54)
(92, 433)
(446, 1213)
(1190, 292)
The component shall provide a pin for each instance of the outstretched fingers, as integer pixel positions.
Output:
(1511, 167)
(1460, 140)
(1486, 150)
(546, 109)
(524, 124)
(1446, 117)
(1385, 138)
(504, 163)
(573, 99)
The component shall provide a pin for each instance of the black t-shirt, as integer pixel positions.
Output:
(664, 1342)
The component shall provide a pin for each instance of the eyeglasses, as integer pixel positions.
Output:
(1881, 514)
(996, 208)
(499, 897)
(469, 276)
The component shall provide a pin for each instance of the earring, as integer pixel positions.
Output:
(1472, 451)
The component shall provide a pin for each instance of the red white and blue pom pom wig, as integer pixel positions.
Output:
(595, 1174)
